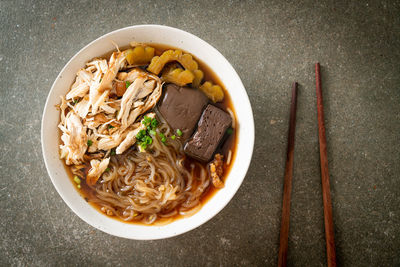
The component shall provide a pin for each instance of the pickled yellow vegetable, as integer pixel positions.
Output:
(213, 92)
(139, 55)
(198, 77)
(177, 76)
(149, 52)
(186, 60)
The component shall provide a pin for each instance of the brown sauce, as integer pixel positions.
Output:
(229, 143)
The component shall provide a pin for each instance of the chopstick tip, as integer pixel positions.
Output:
(317, 68)
(295, 85)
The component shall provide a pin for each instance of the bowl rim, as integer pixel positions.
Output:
(249, 139)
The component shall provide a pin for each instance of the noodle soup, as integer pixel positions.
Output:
(126, 157)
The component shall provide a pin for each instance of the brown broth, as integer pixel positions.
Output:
(230, 143)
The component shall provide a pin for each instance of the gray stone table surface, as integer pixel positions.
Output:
(270, 44)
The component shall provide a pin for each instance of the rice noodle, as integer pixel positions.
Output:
(232, 116)
(153, 184)
(228, 159)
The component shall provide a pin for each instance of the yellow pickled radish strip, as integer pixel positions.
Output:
(178, 76)
(139, 55)
(213, 92)
(158, 62)
(198, 77)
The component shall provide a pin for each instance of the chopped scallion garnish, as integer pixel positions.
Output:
(89, 142)
(79, 186)
(148, 140)
(163, 138)
(229, 131)
(143, 145)
(179, 132)
(154, 123)
(107, 169)
(127, 84)
(146, 120)
(113, 152)
(173, 137)
(143, 137)
(141, 134)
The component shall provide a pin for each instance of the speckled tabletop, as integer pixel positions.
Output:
(270, 44)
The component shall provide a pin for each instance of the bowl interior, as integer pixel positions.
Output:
(160, 35)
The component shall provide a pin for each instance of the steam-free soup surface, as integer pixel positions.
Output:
(153, 183)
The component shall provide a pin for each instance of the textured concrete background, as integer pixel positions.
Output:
(270, 44)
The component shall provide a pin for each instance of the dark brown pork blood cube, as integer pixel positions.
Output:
(181, 107)
(210, 130)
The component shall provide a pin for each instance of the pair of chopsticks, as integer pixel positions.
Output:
(287, 189)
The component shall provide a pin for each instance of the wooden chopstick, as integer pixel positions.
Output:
(287, 187)
(326, 195)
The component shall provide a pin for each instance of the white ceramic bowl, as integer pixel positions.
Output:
(148, 34)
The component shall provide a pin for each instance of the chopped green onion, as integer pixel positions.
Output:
(179, 132)
(146, 121)
(144, 136)
(107, 170)
(113, 152)
(77, 180)
(154, 123)
(110, 126)
(141, 134)
(89, 142)
(229, 131)
(148, 140)
(141, 149)
(143, 145)
(101, 79)
(173, 137)
(79, 186)
(75, 101)
(163, 138)
(127, 84)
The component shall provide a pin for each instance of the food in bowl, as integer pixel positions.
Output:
(148, 133)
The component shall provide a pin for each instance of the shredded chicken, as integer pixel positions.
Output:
(130, 138)
(217, 170)
(74, 138)
(97, 169)
(117, 61)
(140, 88)
(81, 85)
(128, 98)
(150, 102)
(94, 120)
(88, 157)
